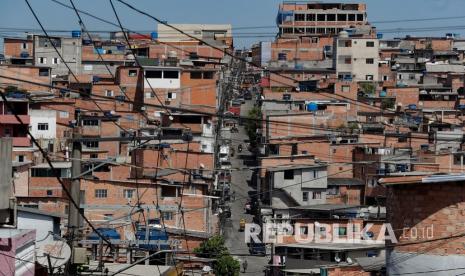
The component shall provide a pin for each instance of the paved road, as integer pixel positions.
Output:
(235, 240)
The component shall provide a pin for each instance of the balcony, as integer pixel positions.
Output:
(21, 142)
(11, 119)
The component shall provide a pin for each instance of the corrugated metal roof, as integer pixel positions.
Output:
(439, 68)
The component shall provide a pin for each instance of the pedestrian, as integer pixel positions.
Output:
(234, 195)
(244, 265)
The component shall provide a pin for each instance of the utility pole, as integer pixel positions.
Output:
(74, 217)
(147, 231)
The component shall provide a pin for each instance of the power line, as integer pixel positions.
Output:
(55, 172)
(186, 110)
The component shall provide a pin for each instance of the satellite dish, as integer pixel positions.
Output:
(349, 260)
(337, 259)
(206, 269)
(59, 252)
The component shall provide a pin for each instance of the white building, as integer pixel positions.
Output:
(356, 58)
(43, 123)
(162, 77)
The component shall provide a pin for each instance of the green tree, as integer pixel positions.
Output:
(227, 265)
(368, 88)
(212, 247)
(252, 124)
(215, 248)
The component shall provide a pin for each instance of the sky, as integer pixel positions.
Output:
(239, 13)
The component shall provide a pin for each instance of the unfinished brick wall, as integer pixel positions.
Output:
(422, 206)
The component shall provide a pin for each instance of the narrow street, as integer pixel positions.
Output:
(240, 179)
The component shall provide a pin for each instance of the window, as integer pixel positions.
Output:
(196, 75)
(153, 74)
(168, 191)
(42, 60)
(288, 30)
(345, 88)
(208, 75)
(344, 43)
(128, 193)
(304, 230)
(314, 39)
(369, 77)
(399, 77)
(43, 72)
(132, 73)
(46, 172)
(310, 30)
(370, 61)
(299, 17)
(347, 60)
(91, 144)
(90, 122)
(55, 60)
(294, 150)
(360, 17)
(311, 17)
(23, 46)
(101, 193)
(342, 231)
(171, 95)
(385, 78)
(170, 74)
(7, 132)
(315, 174)
(49, 192)
(50, 147)
(316, 195)
(289, 174)
(63, 114)
(411, 76)
(305, 196)
(94, 155)
(20, 158)
(331, 17)
(109, 93)
(321, 17)
(167, 215)
(351, 17)
(342, 17)
(370, 44)
(42, 126)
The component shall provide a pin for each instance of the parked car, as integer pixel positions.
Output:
(257, 249)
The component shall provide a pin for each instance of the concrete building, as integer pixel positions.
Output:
(312, 18)
(10, 126)
(43, 127)
(69, 48)
(286, 183)
(213, 33)
(356, 59)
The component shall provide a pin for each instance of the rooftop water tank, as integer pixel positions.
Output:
(382, 94)
(75, 34)
(172, 54)
(344, 34)
(312, 106)
(154, 35)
